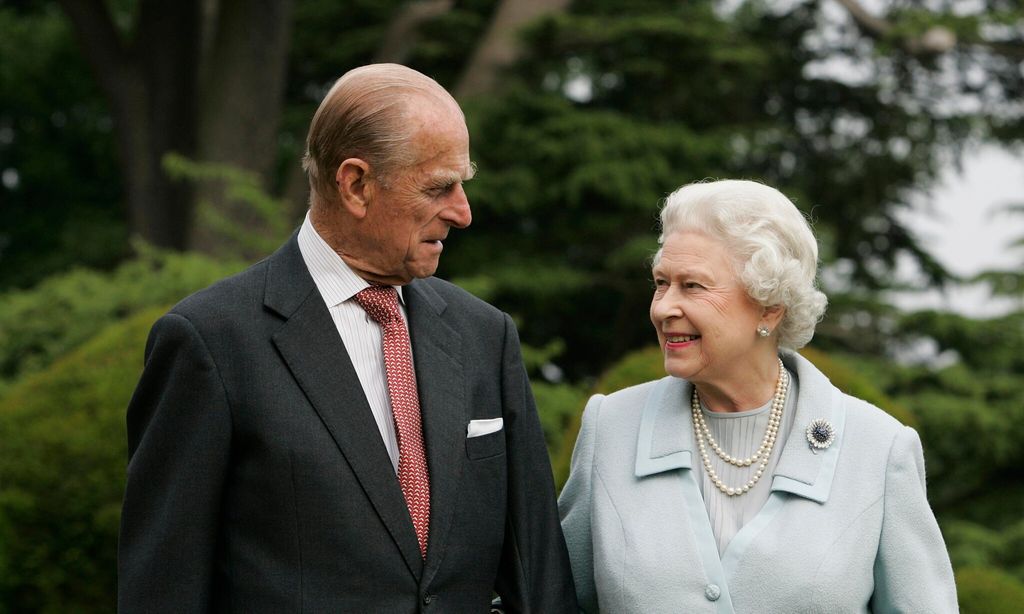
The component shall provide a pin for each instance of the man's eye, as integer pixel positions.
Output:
(692, 284)
(441, 190)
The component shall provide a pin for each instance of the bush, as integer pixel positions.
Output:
(559, 406)
(65, 310)
(972, 545)
(985, 590)
(846, 377)
(62, 467)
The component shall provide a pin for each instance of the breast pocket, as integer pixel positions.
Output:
(485, 446)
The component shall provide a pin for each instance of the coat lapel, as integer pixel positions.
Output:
(311, 347)
(665, 441)
(440, 380)
(801, 471)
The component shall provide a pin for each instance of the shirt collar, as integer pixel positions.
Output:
(335, 280)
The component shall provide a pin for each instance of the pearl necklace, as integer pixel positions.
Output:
(763, 452)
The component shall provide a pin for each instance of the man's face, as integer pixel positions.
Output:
(408, 219)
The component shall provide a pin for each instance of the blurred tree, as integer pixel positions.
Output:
(608, 111)
(1008, 283)
(848, 114)
(59, 187)
(200, 78)
(499, 47)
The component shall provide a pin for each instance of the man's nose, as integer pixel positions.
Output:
(457, 212)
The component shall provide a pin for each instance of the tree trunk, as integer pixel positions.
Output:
(167, 48)
(202, 78)
(499, 47)
(400, 37)
(151, 87)
(243, 81)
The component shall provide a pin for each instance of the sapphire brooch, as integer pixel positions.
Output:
(820, 434)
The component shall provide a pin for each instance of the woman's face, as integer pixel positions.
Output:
(706, 322)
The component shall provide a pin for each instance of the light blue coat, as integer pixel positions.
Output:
(847, 529)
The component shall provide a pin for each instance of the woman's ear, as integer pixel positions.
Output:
(352, 179)
(772, 316)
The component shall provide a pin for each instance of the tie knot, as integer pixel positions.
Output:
(380, 303)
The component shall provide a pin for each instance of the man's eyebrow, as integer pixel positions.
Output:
(445, 177)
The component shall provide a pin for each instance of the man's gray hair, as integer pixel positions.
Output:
(366, 115)
(774, 252)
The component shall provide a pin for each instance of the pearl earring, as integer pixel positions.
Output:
(763, 330)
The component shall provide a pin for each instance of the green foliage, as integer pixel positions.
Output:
(536, 357)
(849, 380)
(246, 198)
(60, 188)
(63, 311)
(447, 40)
(609, 112)
(634, 368)
(559, 407)
(986, 590)
(62, 469)
(994, 345)
(975, 545)
(970, 411)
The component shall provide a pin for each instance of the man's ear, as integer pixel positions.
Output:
(352, 179)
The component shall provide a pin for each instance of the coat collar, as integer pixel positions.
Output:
(666, 440)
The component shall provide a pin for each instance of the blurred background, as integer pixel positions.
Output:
(148, 148)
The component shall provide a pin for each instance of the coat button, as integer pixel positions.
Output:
(712, 592)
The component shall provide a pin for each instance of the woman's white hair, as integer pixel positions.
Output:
(774, 251)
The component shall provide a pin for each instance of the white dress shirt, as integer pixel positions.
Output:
(338, 285)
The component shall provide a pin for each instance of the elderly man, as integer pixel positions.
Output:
(333, 430)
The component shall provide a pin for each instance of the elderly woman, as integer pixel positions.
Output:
(745, 481)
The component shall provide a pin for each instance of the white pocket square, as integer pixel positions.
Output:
(477, 428)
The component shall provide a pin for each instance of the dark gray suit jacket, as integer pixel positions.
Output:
(258, 480)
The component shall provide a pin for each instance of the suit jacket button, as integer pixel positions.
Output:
(712, 592)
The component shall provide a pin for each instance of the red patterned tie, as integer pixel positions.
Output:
(381, 304)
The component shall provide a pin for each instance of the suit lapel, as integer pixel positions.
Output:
(440, 379)
(311, 347)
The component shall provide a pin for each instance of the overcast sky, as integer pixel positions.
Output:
(966, 233)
